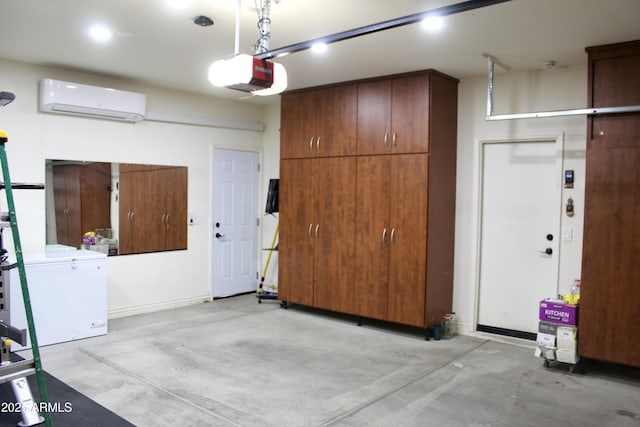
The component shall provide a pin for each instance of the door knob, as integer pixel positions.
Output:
(218, 235)
(547, 251)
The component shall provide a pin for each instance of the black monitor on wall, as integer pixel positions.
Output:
(272, 196)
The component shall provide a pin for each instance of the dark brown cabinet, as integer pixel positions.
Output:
(316, 244)
(371, 232)
(610, 292)
(394, 114)
(152, 213)
(319, 122)
(391, 237)
(82, 194)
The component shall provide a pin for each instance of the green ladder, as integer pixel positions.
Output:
(42, 387)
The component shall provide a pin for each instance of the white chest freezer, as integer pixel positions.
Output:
(68, 292)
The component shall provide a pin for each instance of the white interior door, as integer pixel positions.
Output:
(235, 226)
(520, 214)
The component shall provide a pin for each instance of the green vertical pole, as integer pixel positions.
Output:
(42, 387)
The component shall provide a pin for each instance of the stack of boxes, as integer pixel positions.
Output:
(558, 332)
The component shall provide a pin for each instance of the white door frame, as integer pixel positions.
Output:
(211, 226)
(559, 144)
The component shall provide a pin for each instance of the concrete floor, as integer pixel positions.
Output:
(235, 362)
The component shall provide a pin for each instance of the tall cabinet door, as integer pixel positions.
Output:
(610, 296)
(68, 205)
(408, 239)
(334, 233)
(134, 220)
(297, 195)
(372, 236)
(176, 208)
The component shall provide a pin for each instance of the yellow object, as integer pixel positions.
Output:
(3, 136)
(7, 342)
(571, 299)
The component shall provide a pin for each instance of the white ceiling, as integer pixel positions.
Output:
(161, 45)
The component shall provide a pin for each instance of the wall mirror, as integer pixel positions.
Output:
(115, 208)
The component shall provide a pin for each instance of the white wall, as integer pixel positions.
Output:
(145, 282)
(516, 92)
(271, 169)
(141, 282)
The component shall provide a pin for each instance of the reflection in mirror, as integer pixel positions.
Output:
(115, 208)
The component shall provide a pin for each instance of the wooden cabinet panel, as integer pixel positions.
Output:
(337, 112)
(299, 130)
(613, 75)
(135, 217)
(410, 114)
(66, 186)
(374, 117)
(609, 315)
(393, 115)
(372, 236)
(319, 122)
(95, 187)
(82, 198)
(176, 183)
(408, 254)
(153, 208)
(317, 202)
(334, 234)
(609, 296)
(297, 220)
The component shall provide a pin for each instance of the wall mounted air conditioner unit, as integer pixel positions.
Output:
(91, 101)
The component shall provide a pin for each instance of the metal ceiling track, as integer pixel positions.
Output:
(491, 61)
(380, 26)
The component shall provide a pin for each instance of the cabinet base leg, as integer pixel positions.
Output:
(428, 334)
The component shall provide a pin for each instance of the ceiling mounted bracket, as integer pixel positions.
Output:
(491, 61)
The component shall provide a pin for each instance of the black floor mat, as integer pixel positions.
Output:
(70, 408)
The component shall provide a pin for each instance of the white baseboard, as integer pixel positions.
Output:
(149, 308)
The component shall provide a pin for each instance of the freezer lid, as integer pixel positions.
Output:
(61, 257)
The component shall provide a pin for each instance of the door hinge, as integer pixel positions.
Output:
(258, 222)
(258, 167)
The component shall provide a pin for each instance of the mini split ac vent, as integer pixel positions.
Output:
(91, 101)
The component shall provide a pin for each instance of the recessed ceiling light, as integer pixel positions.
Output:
(319, 47)
(433, 23)
(100, 33)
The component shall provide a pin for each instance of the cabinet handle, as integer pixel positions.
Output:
(318, 144)
(317, 226)
(395, 142)
(384, 237)
(311, 145)
(386, 138)
(168, 216)
(393, 232)
(131, 216)
(310, 227)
